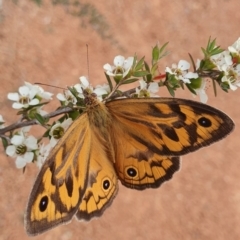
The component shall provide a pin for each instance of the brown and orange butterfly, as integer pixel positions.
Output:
(137, 141)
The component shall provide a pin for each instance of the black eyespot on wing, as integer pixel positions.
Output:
(204, 122)
(106, 184)
(131, 172)
(43, 204)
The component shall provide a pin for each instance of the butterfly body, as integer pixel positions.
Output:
(137, 141)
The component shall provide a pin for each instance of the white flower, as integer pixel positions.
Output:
(1, 122)
(201, 92)
(43, 153)
(181, 71)
(144, 91)
(67, 97)
(40, 91)
(85, 85)
(233, 84)
(222, 59)
(58, 129)
(24, 98)
(22, 147)
(121, 66)
(235, 48)
(28, 96)
(231, 76)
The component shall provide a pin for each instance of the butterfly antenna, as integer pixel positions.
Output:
(87, 63)
(49, 85)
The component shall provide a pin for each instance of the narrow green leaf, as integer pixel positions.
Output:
(40, 118)
(4, 142)
(140, 73)
(189, 87)
(146, 66)
(109, 81)
(139, 64)
(149, 78)
(162, 49)
(171, 91)
(155, 54)
(131, 80)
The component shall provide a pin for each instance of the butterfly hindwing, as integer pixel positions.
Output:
(102, 183)
(150, 132)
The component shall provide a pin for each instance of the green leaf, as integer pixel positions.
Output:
(131, 80)
(146, 66)
(40, 118)
(5, 143)
(195, 83)
(74, 115)
(171, 91)
(162, 52)
(207, 64)
(46, 134)
(149, 77)
(190, 88)
(139, 64)
(109, 81)
(140, 73)
(155, 54)
(158, 53)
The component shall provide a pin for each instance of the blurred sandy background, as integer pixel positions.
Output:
(44, 41)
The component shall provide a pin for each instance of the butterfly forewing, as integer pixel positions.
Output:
(61, 182)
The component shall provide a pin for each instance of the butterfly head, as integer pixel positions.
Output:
(90, 98)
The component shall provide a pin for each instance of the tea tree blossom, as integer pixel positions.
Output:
(22, 148)
(181, 71)
(120, 68)
(147, 91)
(85, 85)
(58, 130)
(28, 95)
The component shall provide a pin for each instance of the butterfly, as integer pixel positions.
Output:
(136, 141)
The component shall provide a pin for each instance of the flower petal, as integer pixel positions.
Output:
(128, 63)
(107, 67)
(100, 91)
(17, 140)
(20, 162)
(153, 87)
(183, 65)
(84, 82)
(28, 156)
(13, 96)
(24, 90)
(61, 97)
(191, 75)
(31, 143)
(34, 101)
(118, 61)
(142, 84)
(10, 150)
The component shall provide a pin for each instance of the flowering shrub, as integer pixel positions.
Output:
(222, 66)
